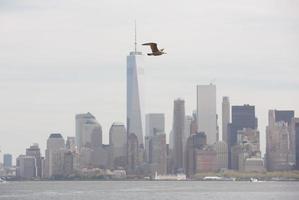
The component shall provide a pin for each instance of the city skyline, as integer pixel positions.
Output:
(45, 87)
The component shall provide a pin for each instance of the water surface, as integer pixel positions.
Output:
(149, 190)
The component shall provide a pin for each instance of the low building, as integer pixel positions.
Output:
(26, 167)
(205, 160)
(254, 165)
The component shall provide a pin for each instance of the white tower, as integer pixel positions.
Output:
(135, 112)
(225, 118)
(206, 111)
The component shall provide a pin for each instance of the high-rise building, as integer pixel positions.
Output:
(54, 155)
(222, 154)
(280, 140)
(194, 141)
(154, 123)
(178, 129)
(91, 136)
(71, 144)
(26, 167)
(242, 117)
(225, 118)
(81, 120)
(133, 153)
(247, 146)
(135, 107)
(158, 153)
(7, 160)
(206, 111)
(297, 142)
(34, 151)
(118, 142)
(193, 126)
(205, 160)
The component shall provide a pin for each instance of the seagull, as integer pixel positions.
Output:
(154, 48)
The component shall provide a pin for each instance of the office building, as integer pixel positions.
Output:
(158, 153)
(222, 154)
(118, 142)
(242, 117)
(81, 120)
(297, 142)
(178, 129)
(225, 118)
(26, 167)
(135, 105)
(34, 151)
(206, 111)
(154, 123)
(54, 156)
(7, 161)
(280, 140)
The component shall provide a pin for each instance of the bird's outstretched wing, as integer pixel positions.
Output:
(153, 46)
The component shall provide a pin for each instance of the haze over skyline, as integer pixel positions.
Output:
(58, 59)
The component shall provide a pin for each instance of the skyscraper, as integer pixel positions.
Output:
(225, 118)
(135, 112)
(81, 119)
(7, 160)
(26, 167)
(71, 143)
(242, 117)
(154, 123)
(178, 129)
(297, 142)
(91, 136)
(118, 142)
(280, 153)
(34, 151)
(54, 156)
(206, 111)
(158, 153)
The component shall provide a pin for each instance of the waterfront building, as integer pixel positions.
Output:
(154, 123)
(135, 105)
(297, 142)
(158, 153)
(71, 143)
(242, 117)
(178, 129)
(247, 146)
(194, 142)
(7, 161)
(254, 164)
(118, 142)
(91, 136)
(205, 160)
(54, 156)
(280, 140)
(133, 151)
(81, 120)
(225, 118)
(222, 154)
(206, 111)
(26, 167)
(34, 151)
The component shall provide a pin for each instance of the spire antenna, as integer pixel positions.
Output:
(135, 43)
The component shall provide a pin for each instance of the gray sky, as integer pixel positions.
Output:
(59, 58)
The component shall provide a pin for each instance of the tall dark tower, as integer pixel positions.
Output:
(178, 131)
(242, 117)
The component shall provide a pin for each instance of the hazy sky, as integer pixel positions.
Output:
(63, 57)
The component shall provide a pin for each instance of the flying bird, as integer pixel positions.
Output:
(154, 48)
